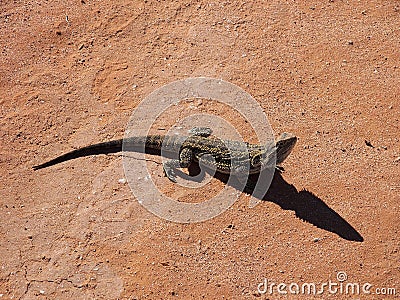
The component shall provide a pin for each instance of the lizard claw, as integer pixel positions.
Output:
(170, 173)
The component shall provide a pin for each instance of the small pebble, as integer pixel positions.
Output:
(122, 180)
(316, 240)
(368, 143)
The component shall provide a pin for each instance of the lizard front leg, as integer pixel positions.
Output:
(185, 155)
(184, 161)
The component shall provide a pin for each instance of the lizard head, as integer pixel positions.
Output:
(284, 145)
(280, 149)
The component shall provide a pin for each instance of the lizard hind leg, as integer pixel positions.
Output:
(184, 161)
(201, 131)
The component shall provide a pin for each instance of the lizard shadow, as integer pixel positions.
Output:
(310, 208)
(306, 205)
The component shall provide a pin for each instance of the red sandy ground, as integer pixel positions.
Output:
(328, 71)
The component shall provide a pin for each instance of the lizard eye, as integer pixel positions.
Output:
(256, 160)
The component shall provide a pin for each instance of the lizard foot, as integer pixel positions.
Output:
(169, 169)
(201, 131)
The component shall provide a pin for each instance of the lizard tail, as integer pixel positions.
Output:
(101, 148)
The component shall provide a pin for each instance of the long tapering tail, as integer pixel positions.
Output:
(101, 148)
